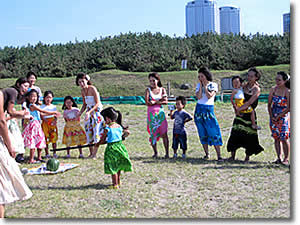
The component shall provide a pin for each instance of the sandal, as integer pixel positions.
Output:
(206, 157)
(113, 187)
(278, 161)
(285, 162)
(220, 159)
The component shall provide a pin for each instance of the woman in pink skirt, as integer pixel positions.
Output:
(157, 125)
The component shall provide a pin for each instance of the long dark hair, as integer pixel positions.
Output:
(285, 77)
(206, 72)
(27, 97)
(114, 115)
(72, 99)
(157, 77)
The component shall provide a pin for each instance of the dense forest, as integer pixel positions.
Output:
(144, 52)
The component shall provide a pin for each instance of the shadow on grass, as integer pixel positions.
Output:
(84, 187)
(215, 164)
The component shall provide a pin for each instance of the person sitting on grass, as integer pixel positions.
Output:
(180, 117)
(116, 156)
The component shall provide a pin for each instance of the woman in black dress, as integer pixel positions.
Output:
(242, 133)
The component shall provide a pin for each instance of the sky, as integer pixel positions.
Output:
(61, 21)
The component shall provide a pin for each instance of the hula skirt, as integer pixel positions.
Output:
(12, 184)
(116, 158)
(157, 124)
(34, 136)
(50, 130)
(73, 134)
(207, 125)
(94, 126)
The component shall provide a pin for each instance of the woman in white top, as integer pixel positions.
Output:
(157, 126)
(93, 121)
(205, 118)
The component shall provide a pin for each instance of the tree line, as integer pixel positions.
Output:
(144, 52)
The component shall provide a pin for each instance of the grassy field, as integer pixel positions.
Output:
(122, 83)
(165, 188)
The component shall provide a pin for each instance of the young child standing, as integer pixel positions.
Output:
(49, 123)
(180, 117)
(116, 156)
(74, 133)
(33, 134)
(237, 99)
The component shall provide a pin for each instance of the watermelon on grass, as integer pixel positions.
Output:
(52, 164)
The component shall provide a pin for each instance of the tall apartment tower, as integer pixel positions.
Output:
(286, 22)
(229, 20)
(202, 16)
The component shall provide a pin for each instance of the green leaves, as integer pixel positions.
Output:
(144, 52)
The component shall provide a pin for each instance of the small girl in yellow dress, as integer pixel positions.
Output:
(49, 123)
(237, 99)
(74, 133)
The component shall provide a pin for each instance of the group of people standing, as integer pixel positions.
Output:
(244, 130)
(104, 126)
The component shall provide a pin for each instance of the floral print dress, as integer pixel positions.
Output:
(94, 126)
(156, 119)
(281, 128)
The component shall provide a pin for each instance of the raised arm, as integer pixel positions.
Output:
(199, 91)
(164, 98)
(147, 97)
(35, 107)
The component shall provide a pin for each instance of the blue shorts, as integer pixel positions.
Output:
(179, 139)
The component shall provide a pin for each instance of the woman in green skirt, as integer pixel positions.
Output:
(116, 156)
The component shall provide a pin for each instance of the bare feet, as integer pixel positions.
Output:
(255, 127)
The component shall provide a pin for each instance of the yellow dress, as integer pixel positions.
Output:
(240, 100)
(50, 129)
(74, 133)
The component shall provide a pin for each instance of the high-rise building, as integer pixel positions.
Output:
(202, 16)
(286, 22)
(229, 19)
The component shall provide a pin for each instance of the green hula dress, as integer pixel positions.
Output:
(116, 156)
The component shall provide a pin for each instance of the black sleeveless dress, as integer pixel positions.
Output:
(242, 133)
